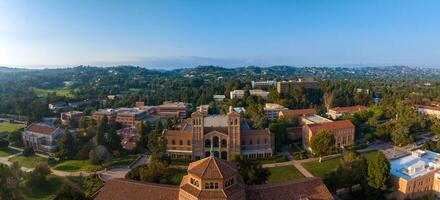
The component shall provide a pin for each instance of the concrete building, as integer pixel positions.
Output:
(173, 109)
(130, 116)
(227, 134)
(429, 110)
(344, 131)
(259, 93)
(71, 118)
(109, 113)
(263, 84)
(219, 98)
(128, 137)
(339, 111)
(237, 94)
(271, 110)
(57, 106)
(416, 175)
(41, 137)
(307, 83)
(214, 179)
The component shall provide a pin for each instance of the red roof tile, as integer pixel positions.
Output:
(349, 108)
(41, 128)
(121, 189)
(212, 168)
(331, 125)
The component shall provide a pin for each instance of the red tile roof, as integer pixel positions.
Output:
(331, 125)
(305, 188)
(41, 129)
(349, 108)
(299, 112)
(121, 189)
(212, 168)
(428, 107)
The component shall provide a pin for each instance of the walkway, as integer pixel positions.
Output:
(121, 171)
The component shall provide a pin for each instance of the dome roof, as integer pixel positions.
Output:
(212, 168)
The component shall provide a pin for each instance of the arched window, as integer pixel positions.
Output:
(224, 143)
(207, 143)
(250, 142)
(188, 142)
(174, 142)
(180, 142)
(215, 141)
(216, 154)
(224, 155)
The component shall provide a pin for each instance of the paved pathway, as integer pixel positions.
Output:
(121, 171)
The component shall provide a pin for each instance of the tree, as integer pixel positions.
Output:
(351, 171)
(400, 135)
(70, 191)
(323, 143)
(99, 155)
(153, 172)
(252, 173)
(113, 140)
(143, 131)
(38, 177)
(66, 146)
(15, 138)
(9, 181)
(378, 176)
(157, 146)
(28, 151)
(100, 132)
(279, 129)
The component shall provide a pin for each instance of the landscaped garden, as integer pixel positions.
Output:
(321, 169)
(5, 152)
(274, 159)
(29, 162)
(76, 166)
(10, 127)
(285, 173)
(48, 192)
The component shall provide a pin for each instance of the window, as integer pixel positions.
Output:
(207, 143)
(174, 142)
(250, 142)
(180, 142)
(211, 185)
(258, 141)
(206, 185)
(215, 185)
(215, 141)
(224, 143)
(188, 143)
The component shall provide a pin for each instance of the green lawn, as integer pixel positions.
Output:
(5, 152)
(60, 92)
(10, 127)
(48, 192)
(280, 174)
(321, 169)
(123, 160)
(29, 162)
(274, 159)
(76, 166)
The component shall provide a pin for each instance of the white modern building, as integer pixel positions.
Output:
(271, 110)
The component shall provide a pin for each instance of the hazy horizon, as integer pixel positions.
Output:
(180, 34)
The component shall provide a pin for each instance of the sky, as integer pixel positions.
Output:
(231, 33)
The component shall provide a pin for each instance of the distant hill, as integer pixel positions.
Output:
(8, 69)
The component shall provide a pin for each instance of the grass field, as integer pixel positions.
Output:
(321, 169)
(5, 152)
(60, 92)
(48, 192)
(29, 162)
(10, 127)
(280, 174)
(76, 166)
(122, 160)
(274, 159)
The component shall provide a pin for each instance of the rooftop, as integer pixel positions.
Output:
(331, 125)
(316, 119)
(269, 106)
(216, 121)
(418, 163)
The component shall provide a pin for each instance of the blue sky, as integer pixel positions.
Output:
(185, 33)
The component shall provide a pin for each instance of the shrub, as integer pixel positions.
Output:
(38, 177)
(3, 143)
(28, 151)
(99, 155)
(83, 153)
